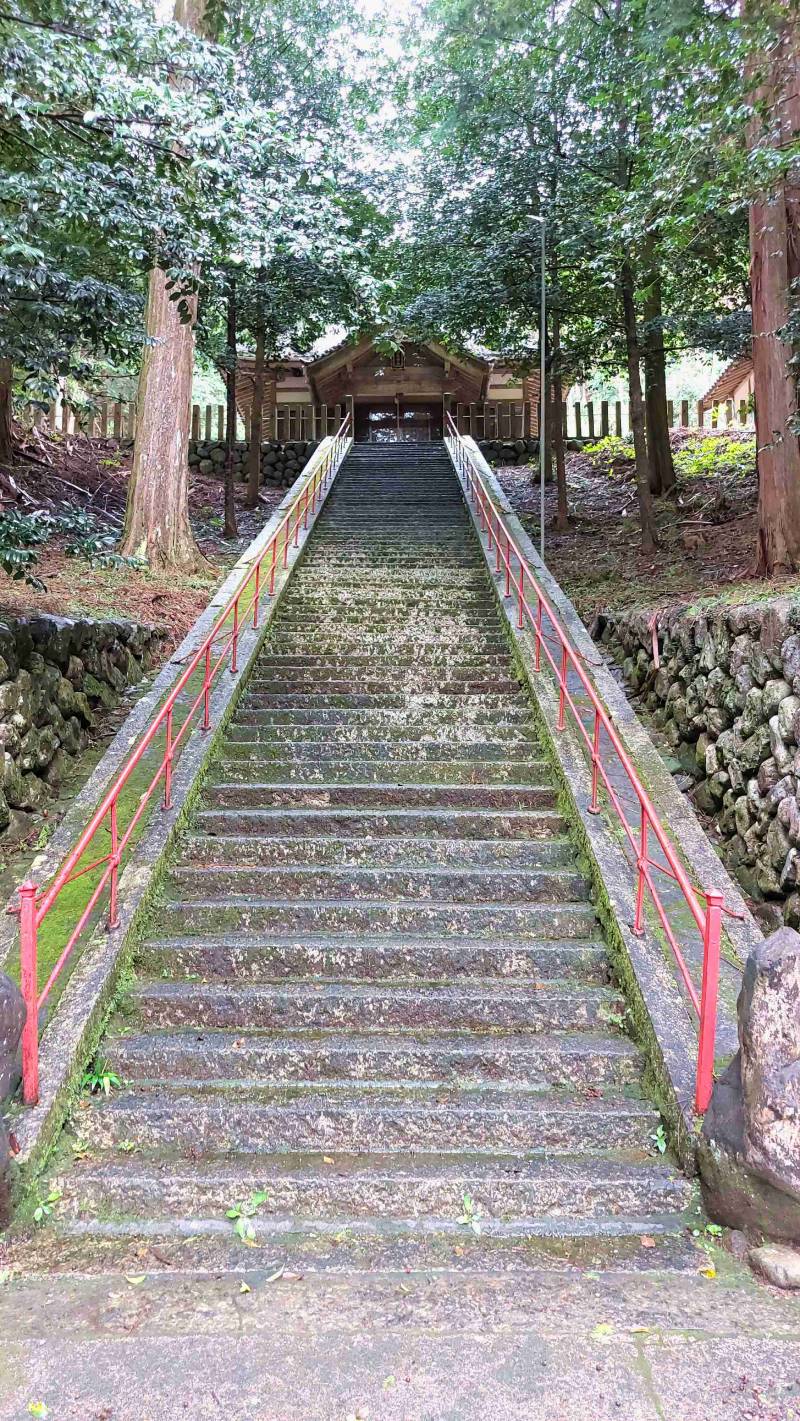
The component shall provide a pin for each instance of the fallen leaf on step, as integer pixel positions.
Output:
(135, 1278)
(647, 1242)
(279, 1272)
(709, 1271)
(244, 1287)
(602, 1331)
(328, 1159)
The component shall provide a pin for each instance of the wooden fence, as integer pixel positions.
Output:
(501, 419)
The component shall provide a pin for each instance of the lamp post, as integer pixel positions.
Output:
(542, 379)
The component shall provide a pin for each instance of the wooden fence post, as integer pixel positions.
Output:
(590, 418)
(220, 423)
(117, 420)
(670, 413)
(577, 420)
(195, 421)
(701, 414)
(618, 419)
(208, 424)
(604, 424)
(685, 413)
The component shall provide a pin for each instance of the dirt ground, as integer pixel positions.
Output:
(66, 472)
(707, 535)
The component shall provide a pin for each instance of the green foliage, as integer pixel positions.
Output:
(242, 1216)
(100, 1080)
(21, 534)
(46, 1204)
(605, 453)
(715, 455)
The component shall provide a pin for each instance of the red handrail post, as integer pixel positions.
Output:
(257, 593)
(508, 565)
(305, 509)
(235, 642)
(537, 664)
(562, 685)
(638, 917)
(113, 909)
(29, 983)
(712, 938)
(168, 764)
(594, 807)
(207, 690)
(520, 596)
(273, 566)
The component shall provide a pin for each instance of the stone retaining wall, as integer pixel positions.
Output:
(280, 463)
(726, 697)
(55, 673)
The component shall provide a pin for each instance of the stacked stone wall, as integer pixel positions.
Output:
(55, 675)
(726, 698)
(280, 462)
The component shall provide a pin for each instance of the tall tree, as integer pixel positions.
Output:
(157, 525)
(774, 279)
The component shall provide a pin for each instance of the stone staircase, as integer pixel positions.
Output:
(374, 1011)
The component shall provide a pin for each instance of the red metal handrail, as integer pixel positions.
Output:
(520, 581)
(221, 645)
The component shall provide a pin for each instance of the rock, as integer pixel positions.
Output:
(769, 1018)
(778, 1265)
(12, 1018)
(773, 694)
(789, 717)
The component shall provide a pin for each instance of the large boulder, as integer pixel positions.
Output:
(750, 1148)
(12, 1020)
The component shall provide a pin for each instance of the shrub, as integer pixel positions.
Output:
(22, 533)
(714, 455)
(607, 452)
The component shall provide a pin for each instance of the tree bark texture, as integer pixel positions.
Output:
(774, 266)
(157, 516)
(562, 512)
(6, 388)
(230, 530)
(256, 417)
(662, 468)
(649, 540)
(157, 524)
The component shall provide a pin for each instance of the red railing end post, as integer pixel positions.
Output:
(29, 984)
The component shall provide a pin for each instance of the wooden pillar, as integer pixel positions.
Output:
(578, 427)
(701, 414)
(685, 413)
(618, 419)
(604, 424)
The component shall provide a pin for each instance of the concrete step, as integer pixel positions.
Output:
(505, 1190)
(246, 764)
(417, 825)
(264, 742)
(439, 885)
(414, 730)
(387, 958)
(339, 915)
(384, 796)
(336, 1006)
(236, 850)
(357, 1120)
(387, 700)
(579, 1061)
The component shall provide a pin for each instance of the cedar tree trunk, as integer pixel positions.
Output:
(257, 414)
(562, 513)
(157, 516)
(662, 469)
(157, 524)
(230, 530)
(6, 386)
(649, 540)
(774, 267)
